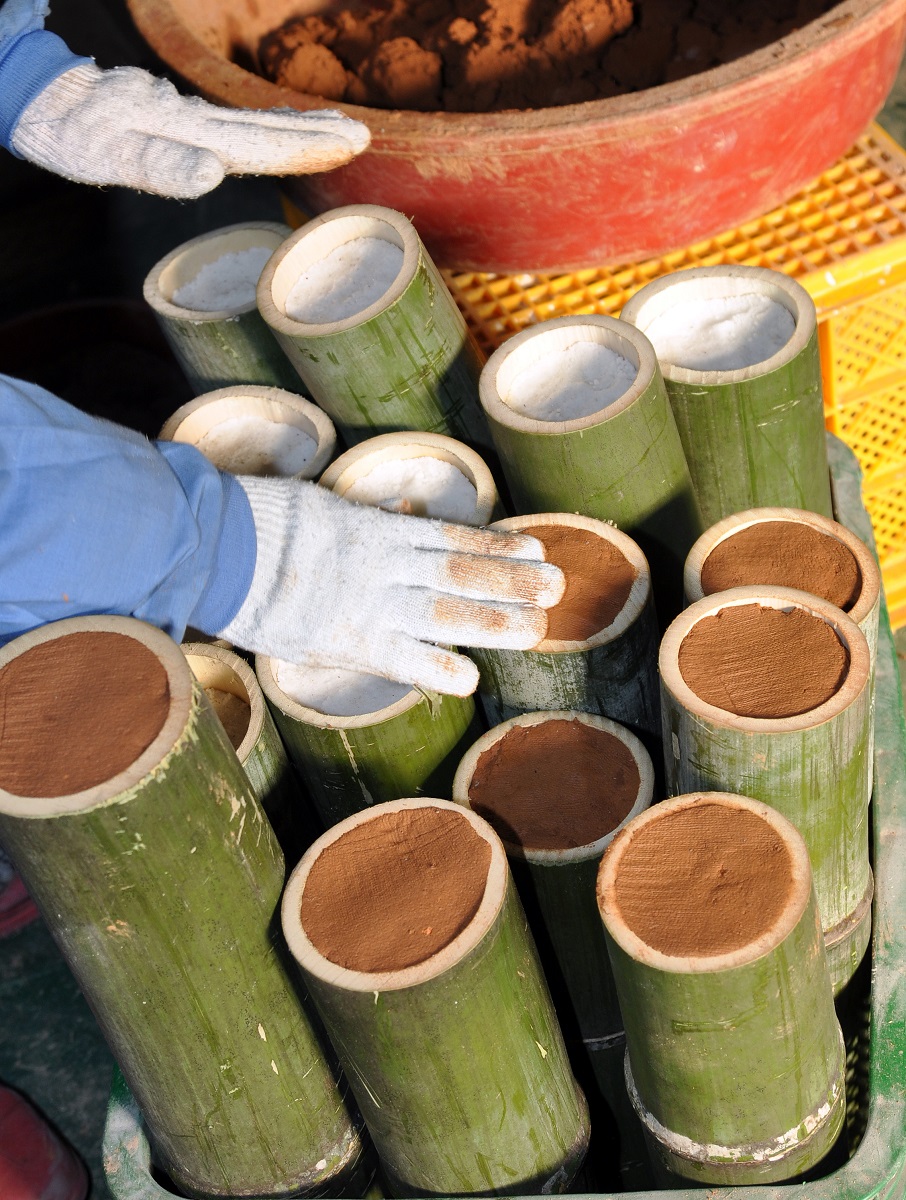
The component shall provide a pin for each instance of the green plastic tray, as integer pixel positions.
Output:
(877, 1112)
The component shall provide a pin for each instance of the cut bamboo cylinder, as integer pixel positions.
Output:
(767, 690)
(235, 694)
(368, 740)
(752, 419)
(447, 1033)
(600, 655)
(140, 838)
(426, 474)
(735, 1060)
(366, 319)
(622, 461)
(789, 547)
(227, 342)
(250, 430)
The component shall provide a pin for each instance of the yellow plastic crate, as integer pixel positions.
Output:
(844, 239)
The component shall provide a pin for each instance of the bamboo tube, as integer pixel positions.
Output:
(231, 687)
(735, 1060)
(250, 430)
(451, 1044)
(411, 743)
(808, 551)
(400, 454)
(754, 434)
(228, 345)
(398, 357)
(612, 672)
(815, 767)
(623, 463)
(140, 838)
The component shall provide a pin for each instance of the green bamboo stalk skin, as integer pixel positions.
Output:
(815, 769)
(422, 363)
(624, 465)
(735, 1063)
(218, 349)
(351, 763)
(161, 898)
(460, 1067)
(753, 437)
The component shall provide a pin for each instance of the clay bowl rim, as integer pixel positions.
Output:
(218, 77)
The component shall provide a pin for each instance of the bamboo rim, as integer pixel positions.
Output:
(198, 417)
(560, 333)
(311, 959)
(264, 669)
(720, 282)
(217, 667)
(639, 593)
(848, 632)
(358, 461)
(720, 532)
(178, 720)
(183, 264)
(553, 858)
(640, 951)
(314, 241)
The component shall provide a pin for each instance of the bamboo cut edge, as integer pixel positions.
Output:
(318, 720)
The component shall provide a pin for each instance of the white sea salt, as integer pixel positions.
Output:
(720, 333)
(227, 282)
(335, 692)
(252, 445)
(346, 281)
(575, 381)
(424, 486)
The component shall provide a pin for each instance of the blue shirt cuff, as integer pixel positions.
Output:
(29, 61)
(234, 562)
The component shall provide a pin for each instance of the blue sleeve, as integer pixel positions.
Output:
(96, 519)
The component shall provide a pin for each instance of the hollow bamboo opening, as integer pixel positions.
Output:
(556, 786)
(238, 428)
(233, 691)
(90, 705)
(704, 883)
(395, 895)
(367, 699)
(353, 467)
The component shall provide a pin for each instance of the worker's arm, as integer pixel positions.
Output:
(124, 126)
(95, 518)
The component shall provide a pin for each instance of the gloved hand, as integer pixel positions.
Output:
(124, 126)
(340, 584)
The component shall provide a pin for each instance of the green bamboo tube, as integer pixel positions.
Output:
(851, 579)
(216, 348)
(753, 435)
(450, 1043)
(623, 463)
(139, 836)
(735, 1060)
(412, 743)
(347, 474)
(399, 360)
(236, 696)
(814, 767)
(236, 428)
(612, 673)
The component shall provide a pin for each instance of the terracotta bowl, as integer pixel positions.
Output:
(605, 181)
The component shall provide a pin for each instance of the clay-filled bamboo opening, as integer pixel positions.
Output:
(756, 660)
(213, 275)
(396, 889)
(228, 694)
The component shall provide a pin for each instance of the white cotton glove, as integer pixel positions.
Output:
(343, 585)
(126, 127)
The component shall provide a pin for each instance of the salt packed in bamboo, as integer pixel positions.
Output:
(736, 1063)
(581, 422)
(738, 347)
(137, 832)
(413, 944)
(355, 288)
(203, 296)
